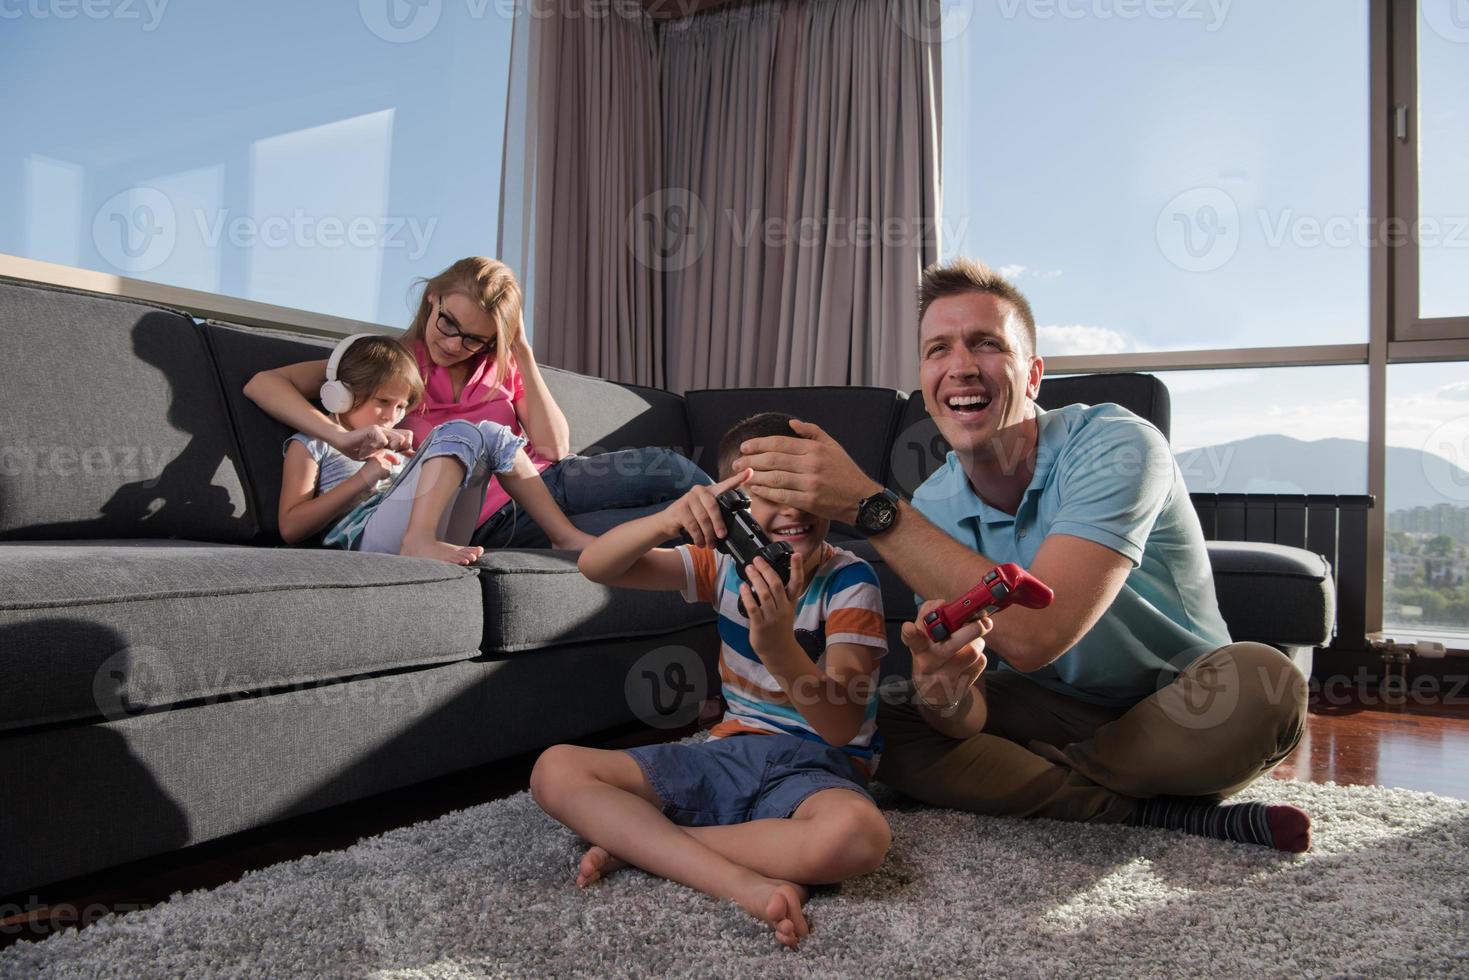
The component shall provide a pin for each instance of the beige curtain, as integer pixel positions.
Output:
(582, 149)
(808, 132)
(739, 198)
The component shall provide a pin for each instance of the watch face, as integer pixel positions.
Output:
(878, 514)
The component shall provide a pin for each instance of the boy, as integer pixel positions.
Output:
(777, 797)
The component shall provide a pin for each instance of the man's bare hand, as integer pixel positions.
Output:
(944, 672)
(812, 473)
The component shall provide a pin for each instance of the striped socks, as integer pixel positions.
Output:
(1283, 827)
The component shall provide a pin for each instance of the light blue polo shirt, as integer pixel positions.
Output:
(1106, 475)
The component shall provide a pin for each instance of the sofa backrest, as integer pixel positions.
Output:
(112, 423)
(919, 449)
(605, 416)
(861, 419)
(241, 352)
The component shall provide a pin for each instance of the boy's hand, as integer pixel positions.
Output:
(696, 513)
(771, 603)
(944, 672)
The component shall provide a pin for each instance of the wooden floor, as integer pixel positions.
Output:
(1419, 742)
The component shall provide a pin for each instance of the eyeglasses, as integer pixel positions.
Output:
(470, 342)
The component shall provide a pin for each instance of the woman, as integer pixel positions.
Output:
(477, 365)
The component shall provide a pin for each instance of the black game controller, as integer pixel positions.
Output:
(745, 540)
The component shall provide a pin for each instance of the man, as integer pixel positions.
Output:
(1124, 700)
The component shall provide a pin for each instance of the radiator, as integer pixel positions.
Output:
(1329, 525)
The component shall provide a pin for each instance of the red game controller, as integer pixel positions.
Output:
(1000, 587)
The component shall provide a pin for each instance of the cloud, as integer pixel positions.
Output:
(1075, 338)
(1017, 271)
(1458, 391)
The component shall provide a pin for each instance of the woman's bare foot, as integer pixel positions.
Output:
(596, 864)
(778, 905)
(573, 541)
(426, 546)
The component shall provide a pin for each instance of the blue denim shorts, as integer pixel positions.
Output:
(743, 777)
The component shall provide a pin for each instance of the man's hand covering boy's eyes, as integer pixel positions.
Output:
(812, 473)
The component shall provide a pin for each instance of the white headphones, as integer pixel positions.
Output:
(335, 396)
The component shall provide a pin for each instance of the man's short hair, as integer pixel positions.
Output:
(943, 279)
(755, 427)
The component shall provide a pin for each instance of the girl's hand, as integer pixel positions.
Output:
(364, 442)
(378, 467)
(697, 514)
(771, 603)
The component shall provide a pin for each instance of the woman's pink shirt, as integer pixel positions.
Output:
(479, 401)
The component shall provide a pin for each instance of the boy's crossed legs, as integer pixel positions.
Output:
(834, 833)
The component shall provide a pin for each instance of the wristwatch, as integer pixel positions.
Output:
(877, 513)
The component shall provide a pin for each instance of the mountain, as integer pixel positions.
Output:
(1280, 464)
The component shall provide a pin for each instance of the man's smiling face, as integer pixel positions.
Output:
(978, 377)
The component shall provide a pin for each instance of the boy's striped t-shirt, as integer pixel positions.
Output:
(841, 604)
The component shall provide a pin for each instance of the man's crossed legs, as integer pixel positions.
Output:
(1230, 717)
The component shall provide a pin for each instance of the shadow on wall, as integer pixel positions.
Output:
(76, 797)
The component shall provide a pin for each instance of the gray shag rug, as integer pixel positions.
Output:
(487, 892)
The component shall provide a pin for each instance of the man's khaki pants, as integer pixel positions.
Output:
(1229, 718)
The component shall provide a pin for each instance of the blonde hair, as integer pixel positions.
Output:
(372, 361)
(491, 285)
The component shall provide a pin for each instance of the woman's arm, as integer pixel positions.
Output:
(302, 513)
(544, 423)
(285, 393)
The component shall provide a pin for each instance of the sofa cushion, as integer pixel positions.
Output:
(1273, 593)
(860, 419)
(241, 352)
(536, 599)
(114, 425)
(605, 416)
(918, 449)
(103, 629)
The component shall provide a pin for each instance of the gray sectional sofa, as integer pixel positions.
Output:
(170, 674)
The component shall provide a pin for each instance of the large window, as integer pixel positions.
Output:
(1426, 572)
(1250, 186)
(1443, 158)
(1164, 176)
(1271, 430)
(317, 156)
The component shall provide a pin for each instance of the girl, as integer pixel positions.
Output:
(426, 508)
(471, 350)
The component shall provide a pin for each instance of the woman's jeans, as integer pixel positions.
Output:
(598, 493)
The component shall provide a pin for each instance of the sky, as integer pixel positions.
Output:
(318, 156)
(1184, 175)
(1155, 174)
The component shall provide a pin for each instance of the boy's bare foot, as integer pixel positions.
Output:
(778, 904)
(575, 541)
(414, 546)
(596, 864)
